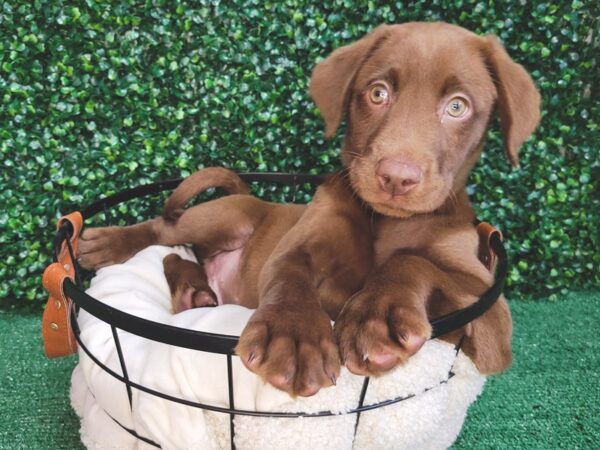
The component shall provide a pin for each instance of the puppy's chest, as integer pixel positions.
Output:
(393, 235)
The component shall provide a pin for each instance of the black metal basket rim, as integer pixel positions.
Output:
(155, 188)
(225, 344)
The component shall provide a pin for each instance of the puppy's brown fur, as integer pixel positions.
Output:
(388, 243)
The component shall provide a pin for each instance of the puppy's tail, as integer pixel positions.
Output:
(199, 182)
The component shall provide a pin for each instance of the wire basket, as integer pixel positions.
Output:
(73, 289)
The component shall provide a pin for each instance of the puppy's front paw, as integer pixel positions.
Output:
(377, 332)
(294, 350)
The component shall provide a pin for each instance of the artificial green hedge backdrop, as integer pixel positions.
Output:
(100, 96)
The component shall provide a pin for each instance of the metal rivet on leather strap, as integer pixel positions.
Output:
(57, 303)
(54, 326)
(67, 267)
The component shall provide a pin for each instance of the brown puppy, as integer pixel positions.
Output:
(230, 236)
(385, 245)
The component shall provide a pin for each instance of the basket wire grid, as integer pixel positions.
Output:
(219, 343)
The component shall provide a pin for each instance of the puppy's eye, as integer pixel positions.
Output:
(456, 107)
(379, 94)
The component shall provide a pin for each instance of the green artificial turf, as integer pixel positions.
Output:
(549, 399)
(34, 391)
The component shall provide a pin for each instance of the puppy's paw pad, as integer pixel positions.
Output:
(377, 333)
(293, 353)
(192, 298)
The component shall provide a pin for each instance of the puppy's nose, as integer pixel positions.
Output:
(397, 176)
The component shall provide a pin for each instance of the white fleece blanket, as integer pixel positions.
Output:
(430, 420)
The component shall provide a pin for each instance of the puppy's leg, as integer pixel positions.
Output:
(313, 270)
(188, 284)
(387, 321)
(222, 224)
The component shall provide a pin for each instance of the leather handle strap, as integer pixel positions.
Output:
(57, 333)
(486, 254)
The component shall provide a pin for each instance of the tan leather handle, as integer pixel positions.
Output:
(486, 254)
(57, 334)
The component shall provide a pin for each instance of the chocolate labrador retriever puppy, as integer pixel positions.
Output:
(387, 243)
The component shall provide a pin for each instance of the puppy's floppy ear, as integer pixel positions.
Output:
(332, 78)
(488, 337)
(518, 98)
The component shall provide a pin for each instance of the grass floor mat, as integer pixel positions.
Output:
(549, 399)
(34, 391)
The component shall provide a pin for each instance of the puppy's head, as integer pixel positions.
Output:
(418, 98)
